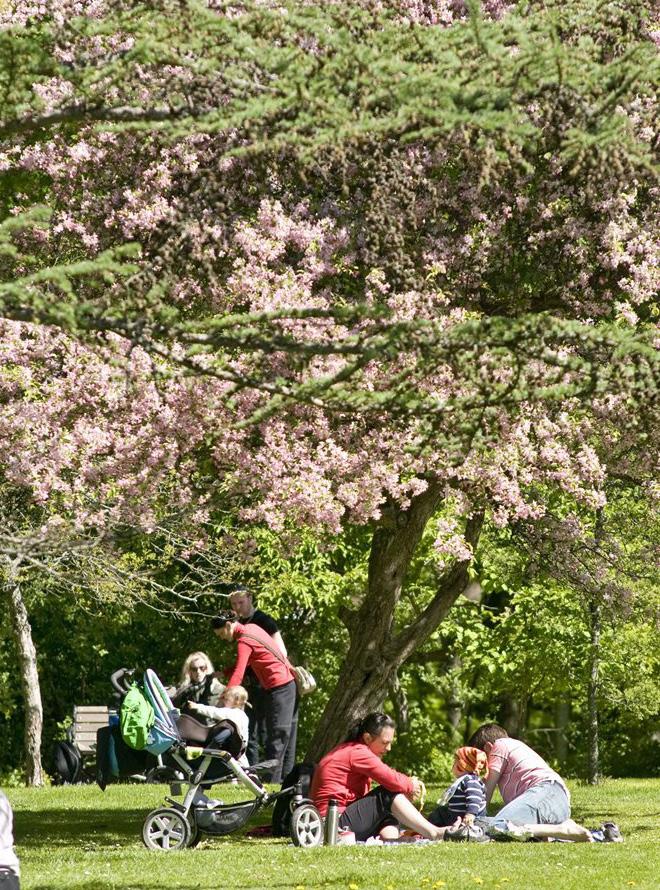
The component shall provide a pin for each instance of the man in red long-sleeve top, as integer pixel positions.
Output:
(273, 671)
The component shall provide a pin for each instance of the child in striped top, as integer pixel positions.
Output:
(466, 797)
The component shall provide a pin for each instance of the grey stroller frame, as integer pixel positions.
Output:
(181, 824)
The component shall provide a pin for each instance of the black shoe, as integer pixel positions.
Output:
(608, 833)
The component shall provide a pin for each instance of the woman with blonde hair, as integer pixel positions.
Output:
(197, 684)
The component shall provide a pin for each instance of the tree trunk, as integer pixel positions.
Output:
(595, 623)
(375, 651)
(27, 656)
(523, 716)
(562, 718)
(455, 705)
(400, 701)
(510, 714)
(593, 775)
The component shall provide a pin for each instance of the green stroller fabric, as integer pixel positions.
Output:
(136, 718)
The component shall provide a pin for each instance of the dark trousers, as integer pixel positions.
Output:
(366, 816)
(290, 754)
(8, 880)
(281, 728)
(442, 816)
(257, 717)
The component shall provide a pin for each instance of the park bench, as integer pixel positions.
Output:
(87, 719)
(81, 736)
(75, 759)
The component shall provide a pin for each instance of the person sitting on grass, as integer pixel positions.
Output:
(345, 775)
(536, 800)
(465, 799)
(232, 708)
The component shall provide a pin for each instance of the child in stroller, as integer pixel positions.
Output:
(233, 700)
(204, 756)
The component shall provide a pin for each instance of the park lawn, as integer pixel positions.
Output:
(78, 837)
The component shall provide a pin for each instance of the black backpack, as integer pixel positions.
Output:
(67, 763)
(302, 772)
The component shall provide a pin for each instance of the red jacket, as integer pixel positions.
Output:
(270, 671)
(346, 773)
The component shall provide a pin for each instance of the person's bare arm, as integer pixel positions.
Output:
(491, 784)
(277, 637)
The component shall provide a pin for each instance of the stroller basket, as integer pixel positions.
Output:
(225, 818)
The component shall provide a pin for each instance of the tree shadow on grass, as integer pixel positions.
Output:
(63, 827)
(86, 828)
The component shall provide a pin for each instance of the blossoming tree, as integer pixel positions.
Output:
(389, 272)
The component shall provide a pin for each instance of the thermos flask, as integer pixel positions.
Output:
(331, 822)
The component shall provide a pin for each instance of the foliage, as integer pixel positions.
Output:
(526, 643)
(302, 265)
(84, 630)
(526, 640)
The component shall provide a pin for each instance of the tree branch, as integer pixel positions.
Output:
(451, 586)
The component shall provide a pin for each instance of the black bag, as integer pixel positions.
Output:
(115, 759)
(302, 772)
(67, 763)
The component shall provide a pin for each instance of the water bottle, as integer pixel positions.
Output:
(331, 822)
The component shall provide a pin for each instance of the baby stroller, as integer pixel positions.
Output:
(202, 757)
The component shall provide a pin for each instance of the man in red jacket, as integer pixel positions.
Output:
(257, 651)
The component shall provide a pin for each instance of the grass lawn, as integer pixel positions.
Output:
(78, 837)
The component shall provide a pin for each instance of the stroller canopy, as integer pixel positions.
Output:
(164, 732)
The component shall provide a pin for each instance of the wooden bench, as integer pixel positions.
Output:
(87, 719)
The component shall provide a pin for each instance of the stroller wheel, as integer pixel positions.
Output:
(306, 826)
(195, 835)
(166, 830)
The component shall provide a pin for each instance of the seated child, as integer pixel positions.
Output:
(233, 701)
(465, 799)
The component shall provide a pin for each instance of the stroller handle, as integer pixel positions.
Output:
(121, 679)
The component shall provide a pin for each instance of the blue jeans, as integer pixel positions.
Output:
(544, 804)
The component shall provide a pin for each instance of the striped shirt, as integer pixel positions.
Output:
(469, 796)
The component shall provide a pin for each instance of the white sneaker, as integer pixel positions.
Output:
(512, 832)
